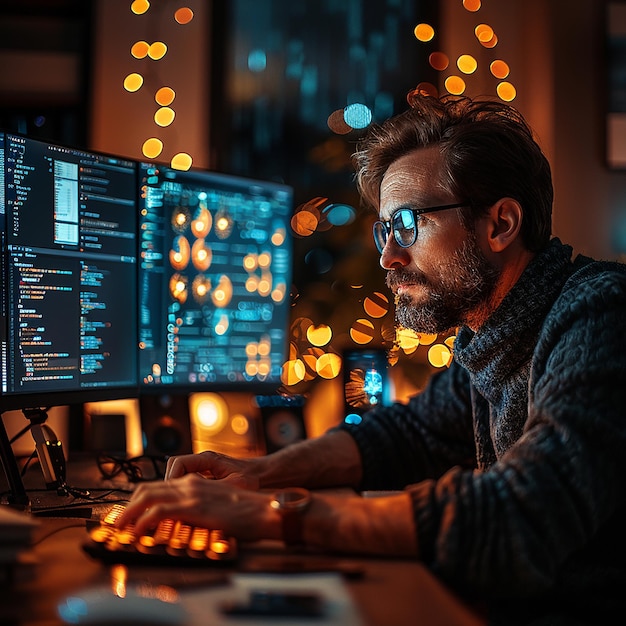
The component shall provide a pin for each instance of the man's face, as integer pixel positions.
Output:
(444, 279)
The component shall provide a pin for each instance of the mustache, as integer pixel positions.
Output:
(398, 277)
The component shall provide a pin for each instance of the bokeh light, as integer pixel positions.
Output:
(181, 161)
(357, 115)
(184, 15)
(157, 50)
(133, 82)
(152, 148)
(467, 64)
(471, 5)
(439, 61)
(455, 85)
(424, 32)
(499, 69)
(506, 91)
(140, 49)
(165, 96)
(164, 116)
(139, 7)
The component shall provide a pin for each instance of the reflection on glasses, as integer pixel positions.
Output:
(137, 469)
(403, 225)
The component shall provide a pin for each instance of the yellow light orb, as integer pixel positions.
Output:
(506, 91)
(181, 161)
(455, 85)
(439, 355)
(467, 64)
(424, 32)
(133, 82)
(139, 7)
(328, 365)
(152, 148)
(157, 50)
(319, 335)
(164, 116)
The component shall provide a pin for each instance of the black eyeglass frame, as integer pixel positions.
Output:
(381, 228)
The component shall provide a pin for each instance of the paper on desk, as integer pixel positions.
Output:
(203, 606)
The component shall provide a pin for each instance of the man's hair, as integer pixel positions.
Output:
(488, 152)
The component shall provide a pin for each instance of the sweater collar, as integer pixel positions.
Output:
(507, 339)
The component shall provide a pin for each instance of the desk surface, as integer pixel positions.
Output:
(387, 591)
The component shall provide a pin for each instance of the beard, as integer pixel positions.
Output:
(462, 289)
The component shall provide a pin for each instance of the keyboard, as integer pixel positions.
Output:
(171, 543)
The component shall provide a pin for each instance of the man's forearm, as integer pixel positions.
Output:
(332, 460)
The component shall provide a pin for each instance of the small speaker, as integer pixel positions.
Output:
(165, 424)
(283, 421)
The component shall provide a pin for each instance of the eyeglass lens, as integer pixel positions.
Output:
(403, 227)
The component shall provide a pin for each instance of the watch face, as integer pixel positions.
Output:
(293, 498)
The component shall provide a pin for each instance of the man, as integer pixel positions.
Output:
(511, 465)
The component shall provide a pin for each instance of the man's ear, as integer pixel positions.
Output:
(505, 223)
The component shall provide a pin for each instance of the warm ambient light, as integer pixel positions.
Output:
(467, 64)
(319, 335)
(165, 96)
(164, 116)
(133, 82)
(140, 49)
(424, 32)
(471, 5)
(157, 50)
(439, 61)
(184, 15)
(499, 69)
(181, 161)
(455, 85)
(152, 148)
(139, 7)
(506, 91)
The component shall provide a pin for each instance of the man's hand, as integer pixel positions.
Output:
(239, 472)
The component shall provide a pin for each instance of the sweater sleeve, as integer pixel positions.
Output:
(547, 510)
(405, 443)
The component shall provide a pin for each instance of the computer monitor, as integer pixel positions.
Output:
(214, 281)
(68, 327)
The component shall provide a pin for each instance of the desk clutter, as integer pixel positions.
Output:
(171, 543)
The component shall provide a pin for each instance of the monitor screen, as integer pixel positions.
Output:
(214, 281)
(68, 224)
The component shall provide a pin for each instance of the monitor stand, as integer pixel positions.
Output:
(17, 498)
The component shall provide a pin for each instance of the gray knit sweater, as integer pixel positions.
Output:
(515, 456)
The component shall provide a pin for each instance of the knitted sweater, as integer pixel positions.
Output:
(515, 456)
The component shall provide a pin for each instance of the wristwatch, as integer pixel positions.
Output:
(291, 503)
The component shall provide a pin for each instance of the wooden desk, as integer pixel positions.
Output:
(388, 592)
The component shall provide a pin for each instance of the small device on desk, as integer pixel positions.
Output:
(171, 543)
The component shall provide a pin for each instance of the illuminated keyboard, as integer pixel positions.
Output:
(171, 543)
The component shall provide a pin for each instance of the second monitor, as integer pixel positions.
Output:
(214, 280)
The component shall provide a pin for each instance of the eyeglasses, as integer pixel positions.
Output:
(403, 224)
(137, 469)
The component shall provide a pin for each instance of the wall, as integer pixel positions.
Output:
(122, 121)
(557, 60)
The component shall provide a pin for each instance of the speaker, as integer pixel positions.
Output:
(165, 424)
(283, 421)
